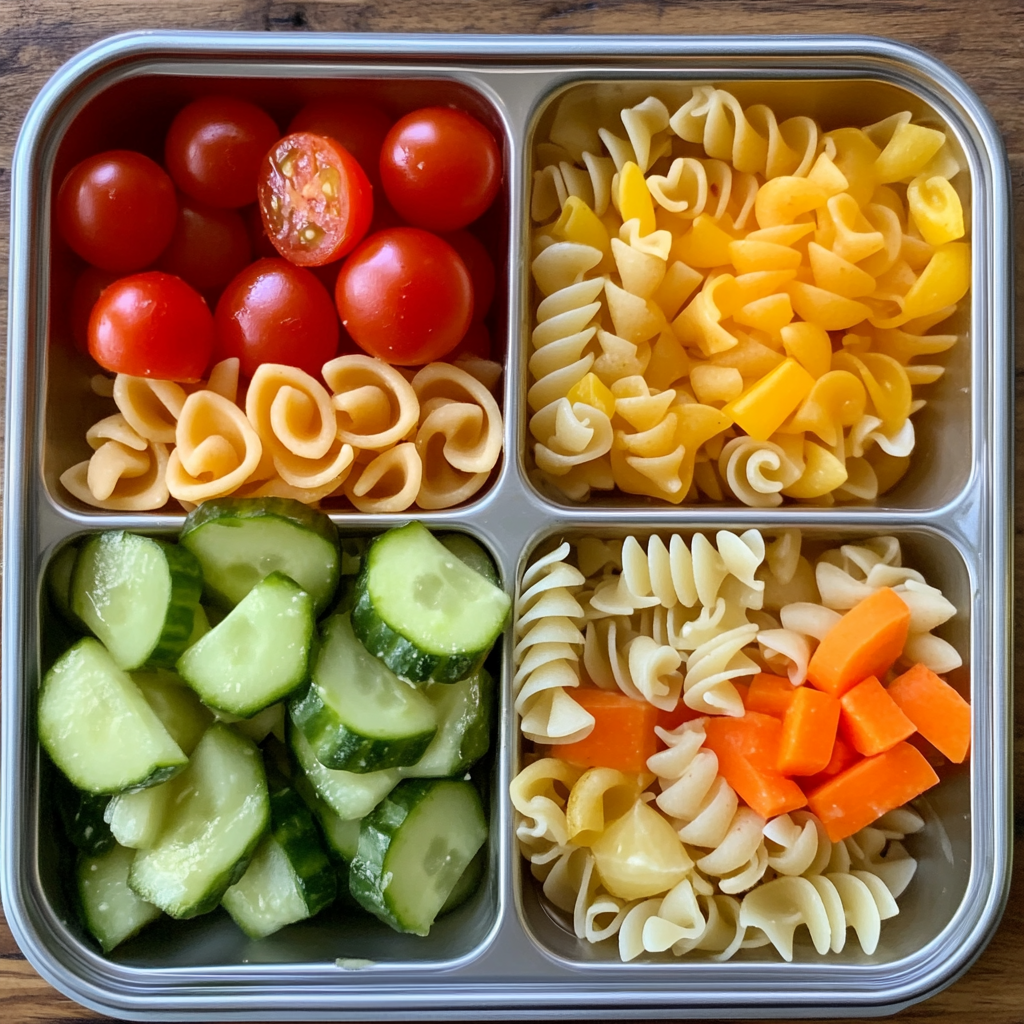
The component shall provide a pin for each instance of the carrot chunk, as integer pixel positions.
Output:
(862, 794)
(623, 735)
(843, 757)
(871, 719)
(747, 750)
(939, 713)
(808, 732)
(770, 694)
(864, 642)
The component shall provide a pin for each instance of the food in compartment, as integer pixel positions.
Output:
(225, 736)
(730, 307)
(343, 289)
(723, 736)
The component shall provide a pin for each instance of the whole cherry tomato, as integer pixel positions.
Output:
(275, 312)
(152, 325)
(209, 246)
(359, 126)
(117, 210)
(441, 168)
(405, 296)
(315, 199)
(480, 266)
(214, 148)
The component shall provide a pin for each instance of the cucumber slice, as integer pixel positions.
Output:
(259, 654)
(110, 910)
(138, 595)
(423, 611)
(464, 727)
(218, 812)
(268, 721)
(467, 884)
(176, 705)
(95, 724)
(240, 541)
(414, 848)
(58, 580)
(290, 877)
(357, 715)
(349, 794)
(82, 817)
(136, 819)
(462, 546)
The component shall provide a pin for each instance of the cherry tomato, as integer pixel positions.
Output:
(476, 342)
(261, 245)
(152, 325)
(405, 296)
(88, 286)
(214, 148)
(480, 266)
(440, 168)
(209, 246)
(315, 199)
(275, 312)
(117, 210)
(359, 126)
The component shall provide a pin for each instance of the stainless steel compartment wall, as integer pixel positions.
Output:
(958, 524)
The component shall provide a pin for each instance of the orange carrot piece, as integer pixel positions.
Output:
(871, 720)
(670, 720)
(623, 735)
(939, 713)
(770, 694)
(808, 732)
(843, 757)
(864, 642)
(862, 794)
(747, 749)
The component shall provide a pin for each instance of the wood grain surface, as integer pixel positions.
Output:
(982, 41)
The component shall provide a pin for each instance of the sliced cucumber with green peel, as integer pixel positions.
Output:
(269, 721)
(472, 553)
(177, 705)
(349, 794)
(357, 715)
(136, 819)
(464, 712)
(82, 817)
(258, 654)
(422, 610)
(414, 849)
(467, 884)
(59, 574)
(138, 595)
(240, 541)
(98, 728)
(111, 911)
(217, 814)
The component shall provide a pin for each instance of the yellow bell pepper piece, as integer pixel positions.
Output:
(591, 391)
(762, 409)
(635, 201)
(822, 474)
(578, 223)
(936, 210)
(810, 345)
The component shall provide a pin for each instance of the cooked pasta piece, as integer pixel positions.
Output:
(376, 406)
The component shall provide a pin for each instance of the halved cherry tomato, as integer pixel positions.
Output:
(214, 148)
(441, 168)
(152, 325)
(209, 246)
(87, 289)
(405, 296)
(275, 312)
(117, 210)
(480, 266)
(359, 126)
(315, 199)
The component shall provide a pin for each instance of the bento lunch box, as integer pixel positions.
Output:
(505, 953)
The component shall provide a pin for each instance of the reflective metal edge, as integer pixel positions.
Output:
(512, 517)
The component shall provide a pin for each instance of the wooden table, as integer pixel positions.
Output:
(982, 41)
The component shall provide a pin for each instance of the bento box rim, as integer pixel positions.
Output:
(208, 1000)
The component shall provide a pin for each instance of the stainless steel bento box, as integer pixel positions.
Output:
(503, 954)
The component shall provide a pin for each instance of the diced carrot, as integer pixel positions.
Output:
(862, 794)
(940, 714)
(623, 735)
(670, 720)
(808, 732)
(744, 691)
(871, 720)
(770, 694)
(843, 757)
(864, 642)
(747, 749)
